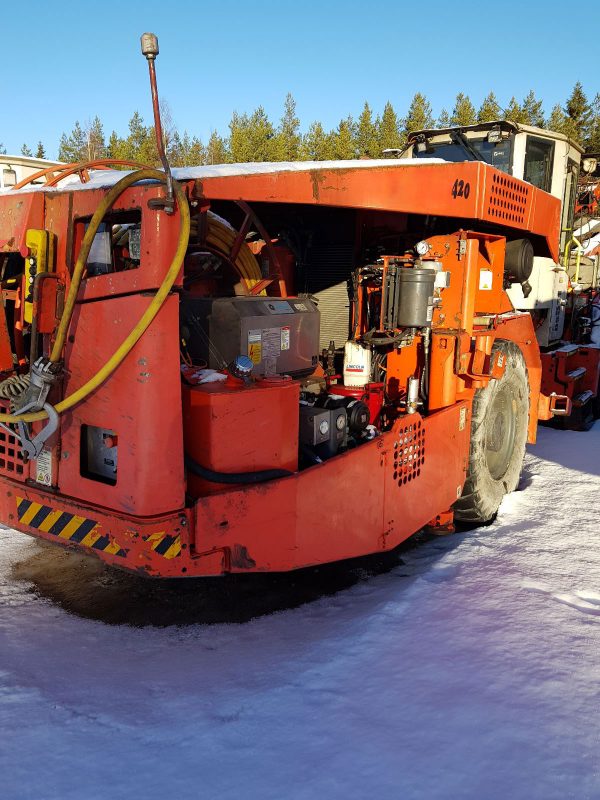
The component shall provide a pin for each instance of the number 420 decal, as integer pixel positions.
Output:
(461, 189)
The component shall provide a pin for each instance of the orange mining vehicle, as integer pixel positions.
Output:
(263, 367)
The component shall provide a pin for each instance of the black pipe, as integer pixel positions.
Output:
(257, 476)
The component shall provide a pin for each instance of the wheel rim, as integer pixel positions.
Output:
(500, 433)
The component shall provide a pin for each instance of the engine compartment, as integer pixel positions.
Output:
(316, 352)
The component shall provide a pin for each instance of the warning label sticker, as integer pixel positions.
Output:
(271, 342)
(255, 346)
(271, 348)
(486, 277)
(285, 338)
(43, 469)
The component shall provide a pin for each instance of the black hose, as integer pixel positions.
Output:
(257, 476)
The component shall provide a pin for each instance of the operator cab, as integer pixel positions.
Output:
(546, 159)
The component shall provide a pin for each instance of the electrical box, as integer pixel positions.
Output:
(281, 336)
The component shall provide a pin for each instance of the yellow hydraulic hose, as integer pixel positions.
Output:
(149, 314)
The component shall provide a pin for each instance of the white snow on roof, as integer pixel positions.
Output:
(102, 179)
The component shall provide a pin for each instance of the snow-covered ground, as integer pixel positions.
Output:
(470, 669)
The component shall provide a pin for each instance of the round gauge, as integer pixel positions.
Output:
(422, 248)
(340, 422)
(324, 427)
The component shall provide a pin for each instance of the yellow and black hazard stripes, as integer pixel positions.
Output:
(66, 526)
(164, 545)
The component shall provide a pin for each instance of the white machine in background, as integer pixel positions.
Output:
(551, 161)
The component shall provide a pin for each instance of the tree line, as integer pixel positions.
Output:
(254, 137)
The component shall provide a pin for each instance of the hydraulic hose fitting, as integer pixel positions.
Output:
(44, 374)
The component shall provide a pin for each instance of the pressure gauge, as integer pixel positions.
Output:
(422, 248)
(340, 422)
(324, 427)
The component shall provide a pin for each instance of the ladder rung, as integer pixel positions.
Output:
(582, 399)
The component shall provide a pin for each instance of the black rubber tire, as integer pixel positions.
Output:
(498, 437)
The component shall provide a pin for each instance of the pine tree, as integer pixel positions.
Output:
(532, 110)
(316, 144)
(344, 140)
(2, 149)
(592, 144)
(185, 151)
(196, 154)
(366, 134)
(262, 133)
(578, 111)
(96, 148)
(514, 112)
(490, 110)
(444, 120)
(464, 111)
(63, 147)
(177, 150)
(419, 115)
(288, 140)
(73, 148)
(239, 143)
(140, 145)
(116, 147)
(389, 134)
(251, 138)
(25, 151)
(40, 152)
(557, 121)
(216, 150)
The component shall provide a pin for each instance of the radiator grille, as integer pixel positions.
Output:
(325, 275)
(11, 460)
(409, 452)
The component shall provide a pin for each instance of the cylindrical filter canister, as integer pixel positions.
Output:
(416, 297)
(357, 364)
(412, 395)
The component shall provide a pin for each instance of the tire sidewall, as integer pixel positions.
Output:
(483, 493)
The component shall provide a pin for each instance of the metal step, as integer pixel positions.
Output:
(581, 399)
(569, 349)
(575, 374)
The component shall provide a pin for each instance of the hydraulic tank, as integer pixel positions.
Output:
(230, 427)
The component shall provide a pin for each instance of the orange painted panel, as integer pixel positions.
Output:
(141, 402)
(348, 506)
(409, 188)
(18, 212)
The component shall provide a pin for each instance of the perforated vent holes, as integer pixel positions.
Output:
(11, 460)
(507, 199)
(409, 452)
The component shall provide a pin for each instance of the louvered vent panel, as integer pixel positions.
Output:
(507, 200)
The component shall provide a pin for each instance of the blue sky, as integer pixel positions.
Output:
(67, 60)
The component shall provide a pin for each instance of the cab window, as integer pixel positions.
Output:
(539, 155)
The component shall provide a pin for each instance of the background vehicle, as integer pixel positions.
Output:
(561, 294)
